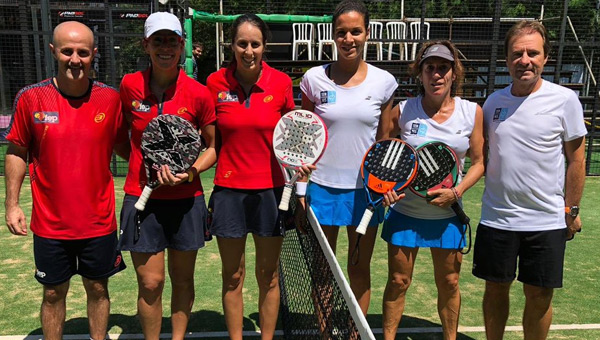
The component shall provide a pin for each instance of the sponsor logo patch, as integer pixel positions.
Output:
(500, 114)
(227, 97)
(327, 97)
(140, 106)
(418, 129)
(45, 117)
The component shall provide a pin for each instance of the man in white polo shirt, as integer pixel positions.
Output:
(530, 207)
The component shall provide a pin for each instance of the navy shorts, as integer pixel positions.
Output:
(56, 261)
(540, 256)
(178, 224)
(237, 212)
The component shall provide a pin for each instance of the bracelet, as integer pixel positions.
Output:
(301, 189)
(455, 194)
(190, 175)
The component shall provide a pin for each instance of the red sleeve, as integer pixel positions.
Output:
(122, 126)
(289, 97)
(205, 108)
(20, 129)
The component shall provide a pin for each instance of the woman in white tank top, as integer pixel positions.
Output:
(437, 114)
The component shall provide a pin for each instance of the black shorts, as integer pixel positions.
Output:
(540, 256)
(96, 258)
(178, 224)
(237, 212)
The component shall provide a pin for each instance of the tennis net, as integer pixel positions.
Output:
(316, 300)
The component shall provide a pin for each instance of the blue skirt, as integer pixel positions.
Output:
(340, 207)
(405, 231)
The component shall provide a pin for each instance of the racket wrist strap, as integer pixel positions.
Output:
(190, 173)
(456, 196)
(301, 189)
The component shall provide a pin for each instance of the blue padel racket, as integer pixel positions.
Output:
(299, 138)
(389, 164)
(167, 140)
(438, 169)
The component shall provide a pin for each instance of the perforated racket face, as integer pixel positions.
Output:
(389, 164)
(438, 168)
(300, 137)
(171, 140)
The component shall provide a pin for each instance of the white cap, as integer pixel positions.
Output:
(162, 21)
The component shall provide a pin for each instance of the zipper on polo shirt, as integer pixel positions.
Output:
(160, 104)
(247, 95)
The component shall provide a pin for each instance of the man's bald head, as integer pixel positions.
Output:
(73, 48)
(72, 29)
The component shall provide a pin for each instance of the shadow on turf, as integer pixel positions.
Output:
(411, 322)
(200, 321)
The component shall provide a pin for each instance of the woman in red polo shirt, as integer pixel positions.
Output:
(250, 97)
(175, 215)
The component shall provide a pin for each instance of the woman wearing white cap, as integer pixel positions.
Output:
(175, 215)
(436, 114)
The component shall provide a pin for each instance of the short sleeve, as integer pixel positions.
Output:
(205, 108)
(289, 97)
(19, 131)
(305, 86)
(572, 120)
(390, 87)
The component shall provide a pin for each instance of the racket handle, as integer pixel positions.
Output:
(141, 202)
(285, 198)
(464, 219)
(364, 221)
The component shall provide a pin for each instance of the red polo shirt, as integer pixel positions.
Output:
(70, 143)
(186, 98)
(245, 123)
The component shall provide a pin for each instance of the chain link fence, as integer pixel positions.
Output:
(476, 27)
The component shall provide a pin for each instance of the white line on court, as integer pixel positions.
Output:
(191, 335)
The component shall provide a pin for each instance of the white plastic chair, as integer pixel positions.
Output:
(325, 37)
(376, 33)
(415, 34)
(396, 30)
(303, 35)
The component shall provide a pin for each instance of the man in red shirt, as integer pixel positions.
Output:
(66, 128)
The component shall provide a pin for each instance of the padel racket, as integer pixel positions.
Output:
(389, 164)
(167, 140)
(438, 169)
(300, 137)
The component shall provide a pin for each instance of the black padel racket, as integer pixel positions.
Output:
(299, 138)
(438, 169)
(167, 140)
(389, 164)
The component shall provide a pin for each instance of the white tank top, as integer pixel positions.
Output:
(417, 128)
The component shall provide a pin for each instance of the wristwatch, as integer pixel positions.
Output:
(572, 211)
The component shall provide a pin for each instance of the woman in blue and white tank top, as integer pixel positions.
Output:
(437, 114)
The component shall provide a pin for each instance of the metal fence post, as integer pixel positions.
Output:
(494, 52)
(563, 28)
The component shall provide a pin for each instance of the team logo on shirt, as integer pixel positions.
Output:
(268, 98)
(327, 97)
(227, 97)
(140, 106)
(99, 117)
(182, 110)
(500, 114)
(45, 117)
(418, 129)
